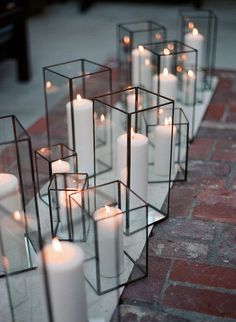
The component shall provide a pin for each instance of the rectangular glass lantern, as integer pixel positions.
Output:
(67, 220)
(199, 30)
(57, 158)
(116, 245)
(173, 74)
(68, 89)
(139, 145)
(129, 37)
(18, 204)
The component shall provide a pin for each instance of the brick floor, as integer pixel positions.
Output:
(193, 253)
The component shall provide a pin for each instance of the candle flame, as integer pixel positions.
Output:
(59, 161)
(140, 48)
(78, 97)
(16, 215)
(179, 69)
(126, 40)
(165, 71)
(132, 133)
(147, 62)
(161, 111)
(107, 210)
(166, 51)
(195, 31)
(48, 84)
(190, 25)
(56, 245)
(168, 120)
(190, 73)
(102, 118)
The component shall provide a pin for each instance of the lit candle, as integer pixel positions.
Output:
(64, 264)
(167, 83)
(109, 221)
(138, 162)
(141, 67)
(13, 237)
(83, 132)
(60, 166)
(196, 40)
(163, 148)
(166, 59)
(10, 199)
(188, 87)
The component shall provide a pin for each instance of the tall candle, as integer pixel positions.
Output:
(138, 164)
(10, 200)
(110, 240)
(13, 237)
(163, 148)
(168, 84)
(141, 67)
(83, 132)
(196, 40)
(188, 87)
(64, 264)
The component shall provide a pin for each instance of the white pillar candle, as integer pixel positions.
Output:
(13, 237)
(138, 165)
(141, 68)
(167, 83)
(64, 264)
(60, 166)
(83, 132)
(110, 241)
(188, 87)
(65, 208)
(196, 40)
(10, 199)
(163, 148)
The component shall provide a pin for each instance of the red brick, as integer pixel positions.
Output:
(226, 250)
(199, 273)
(216, 134)
(39, 127)
(232, 108)
(215, 112)
(213, 195)
(177, 248)
(225, 150)
(182, 228)
(207, 169)
(149, 288)
(200, 300)
(231, 118)
(220, 212)
(181, 199)
(200, 149)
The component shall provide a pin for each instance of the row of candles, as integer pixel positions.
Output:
(64, 261)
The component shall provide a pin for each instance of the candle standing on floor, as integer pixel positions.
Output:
(109, 223)
(65, 278)
(83, 132)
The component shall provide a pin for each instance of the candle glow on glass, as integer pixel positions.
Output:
(126, 40)
(190, 25)
(158, 36)
(16, 215)
(48, 84)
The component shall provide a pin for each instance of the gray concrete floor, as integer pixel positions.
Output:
(62, 34)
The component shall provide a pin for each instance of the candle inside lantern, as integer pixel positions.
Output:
(82, 124)
(109, 223)
(188, 87)
(60, 166)
(141, 67)
(167, 85)
(65, 278)
(138, 155)
(163, 152)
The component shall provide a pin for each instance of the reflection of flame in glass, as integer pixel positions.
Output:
(170, 46)
(158, 36)
(5, 263)
(56, 245)
(48, 84)
(126, 40)
(16, 215)
(179, 69)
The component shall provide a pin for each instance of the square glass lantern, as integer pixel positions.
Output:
(116, 246)
(18, 204)
(199, 30)
(129, 37)
(57, 158)
(173, 73)
(67, 220)
(138, 151)
(68, 89)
